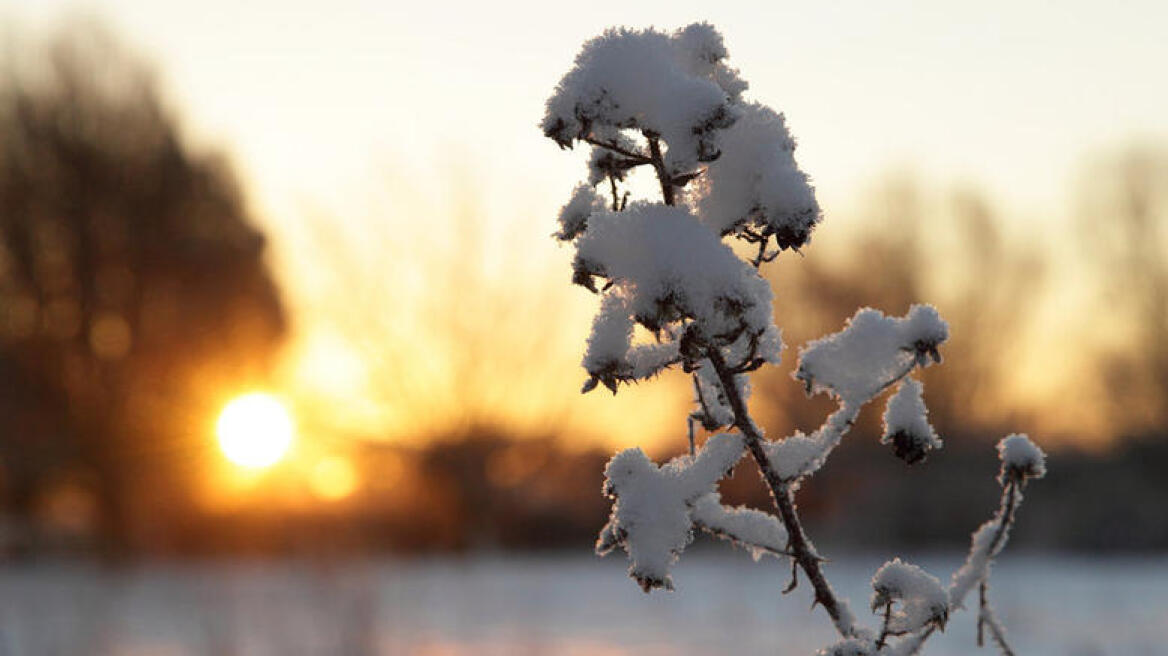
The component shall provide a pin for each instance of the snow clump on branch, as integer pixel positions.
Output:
(906, 424)
(860, 360)
(672, 85)
(1021, 459)
(665, 267)
(921, 598)
(756, 184)
(651, 517)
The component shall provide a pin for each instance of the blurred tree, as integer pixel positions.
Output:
(979, 279)
(1123, 214)
(133, 290)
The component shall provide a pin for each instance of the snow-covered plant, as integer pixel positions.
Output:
(727, 173)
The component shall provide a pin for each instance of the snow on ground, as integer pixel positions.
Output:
(548, 604)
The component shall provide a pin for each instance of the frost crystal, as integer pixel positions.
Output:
(906, 424)
(872, 350)
(651, 518)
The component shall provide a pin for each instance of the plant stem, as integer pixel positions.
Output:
(985, 615)
(884, 629)
(800, 545)
(634, 156)
(659, 166)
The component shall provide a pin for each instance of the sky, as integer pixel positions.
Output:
(387, 118)
(314, 102)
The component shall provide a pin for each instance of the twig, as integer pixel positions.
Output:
(884, 631)
(658, 163)
(800, 546)
(690, 425)
(985, 614)
(638, 158)
(987, 618)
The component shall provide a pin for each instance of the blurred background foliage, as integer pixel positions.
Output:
(137, 295)
(132, 286)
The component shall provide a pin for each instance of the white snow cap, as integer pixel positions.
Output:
(673, 85)
(906, 424)
(651, 515)
(857, 362)
(1021, 458)
(756, 182)
(922, 599)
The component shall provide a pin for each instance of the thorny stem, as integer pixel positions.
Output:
(800, 547)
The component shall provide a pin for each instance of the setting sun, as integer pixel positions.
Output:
(254, 430)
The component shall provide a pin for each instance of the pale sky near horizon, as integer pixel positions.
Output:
(355, 109)
(314, 101)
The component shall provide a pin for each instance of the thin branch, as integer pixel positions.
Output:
(981, 593)
(915, 642)
(1009, 507)
(636, 157)
(838, 423)
(884, 628)
(985, 615)
(800, 546)
(761, 256)
(690, 425)
(658, 163)
(988, 618)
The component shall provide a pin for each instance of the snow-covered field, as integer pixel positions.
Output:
(555, 604)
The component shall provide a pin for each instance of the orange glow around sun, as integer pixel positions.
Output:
(334, 478)
(255, 430)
